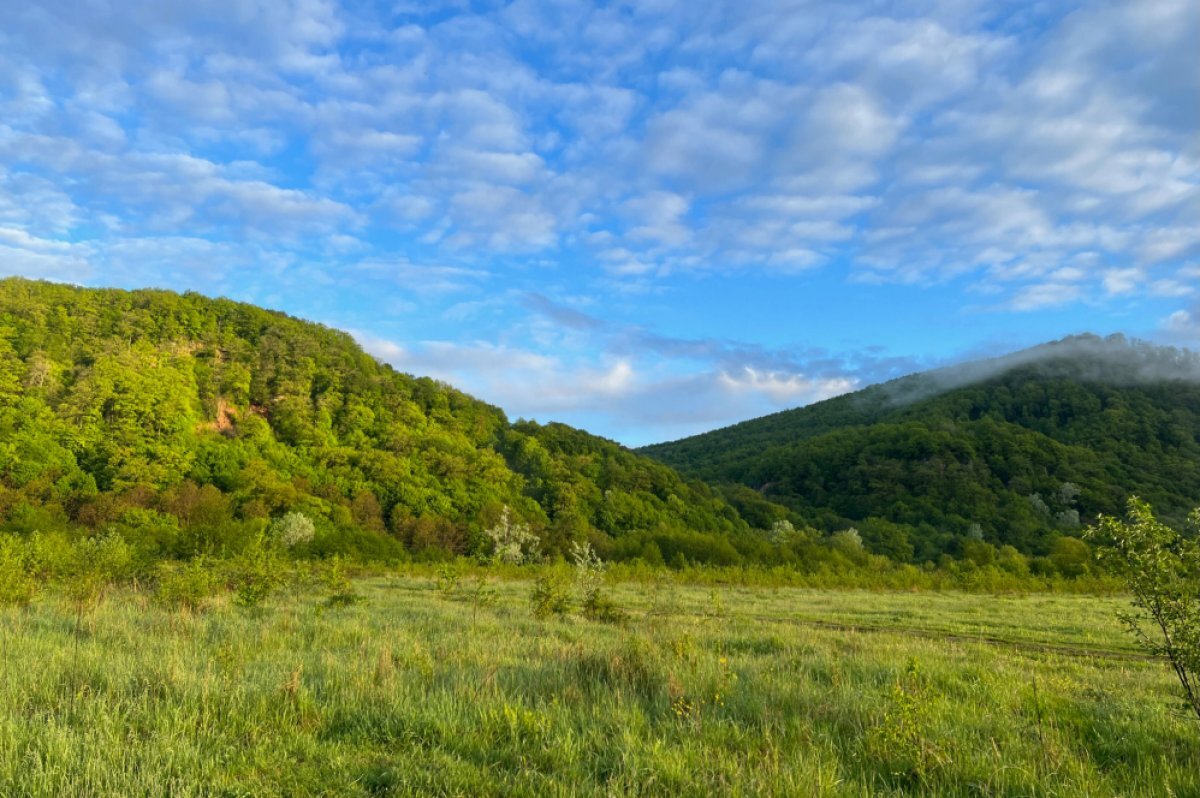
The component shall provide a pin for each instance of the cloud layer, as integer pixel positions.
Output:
(448, 164)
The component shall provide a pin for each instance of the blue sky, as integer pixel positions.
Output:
(647, 219)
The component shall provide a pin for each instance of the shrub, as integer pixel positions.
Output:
(187, 586)
(95, 564)
(17, 585)
(447, 579)
(255, 574)
(341, 589)
(589, 577)
(1161, 568)
(551, 595)
(902, 740)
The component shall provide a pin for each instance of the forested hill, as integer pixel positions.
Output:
(182, 421)
(1020, 449)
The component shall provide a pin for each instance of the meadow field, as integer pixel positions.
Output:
(435, 688)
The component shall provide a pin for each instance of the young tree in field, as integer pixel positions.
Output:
(96, 564)
(1161, 568)
(512, 542)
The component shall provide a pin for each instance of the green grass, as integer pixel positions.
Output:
(734, 691)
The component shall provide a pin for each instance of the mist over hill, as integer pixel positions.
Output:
(1019, 449)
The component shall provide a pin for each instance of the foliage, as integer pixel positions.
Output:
(551, 595)
(293, 529)
(17, 585)
(512, 543)
(1162, 571)
(186, 586)
(902, 739)
(1017, 452)
(589, 580)
(95, 565)
(340, 589)
(183, 424)
(256, 573)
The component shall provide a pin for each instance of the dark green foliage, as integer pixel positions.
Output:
(1020, 451)
(187, 425)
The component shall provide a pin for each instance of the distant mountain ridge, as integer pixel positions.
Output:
(983, 447)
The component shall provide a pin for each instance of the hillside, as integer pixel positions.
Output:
(1021, 449)
(182, 422)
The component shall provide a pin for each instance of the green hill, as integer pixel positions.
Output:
(181, 422)
(1020, 449)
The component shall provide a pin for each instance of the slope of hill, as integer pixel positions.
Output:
(181, 421)
(1019, 449)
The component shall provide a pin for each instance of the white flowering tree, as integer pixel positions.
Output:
(293, 529)
(512, 542)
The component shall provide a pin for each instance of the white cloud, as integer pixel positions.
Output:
(1038, 156)
(1044, 295)
(1183, 325)
(785, 390)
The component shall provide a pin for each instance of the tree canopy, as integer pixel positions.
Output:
(1019, 451)
(188, 423)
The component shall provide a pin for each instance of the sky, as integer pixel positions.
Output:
(647, 219)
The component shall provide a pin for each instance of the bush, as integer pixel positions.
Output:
(95, 564)
(255, 574)
(589, 577)
(17, 585)
(1161, 568)
(551, 595)
(186, 587)
(341, 590)
(512, 543)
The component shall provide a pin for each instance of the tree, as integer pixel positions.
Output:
(1161, 569)
(1070, 556)
(293, 529)
(512, 543)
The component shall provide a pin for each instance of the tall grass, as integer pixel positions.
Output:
(702, 690)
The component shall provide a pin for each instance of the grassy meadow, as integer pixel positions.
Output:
(702, 690)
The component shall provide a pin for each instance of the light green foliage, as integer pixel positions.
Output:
(94, 566)
(256, 573)
(902, 737)
(781, 531)
(847, 540)
(551, 595)
(340, 590)
(186, 586)
(448, 579)
(183, 422)
(17, 584)
(1162, 571)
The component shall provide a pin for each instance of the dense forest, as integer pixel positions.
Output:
(185, 424)
(189, 427)
(1018, 451)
